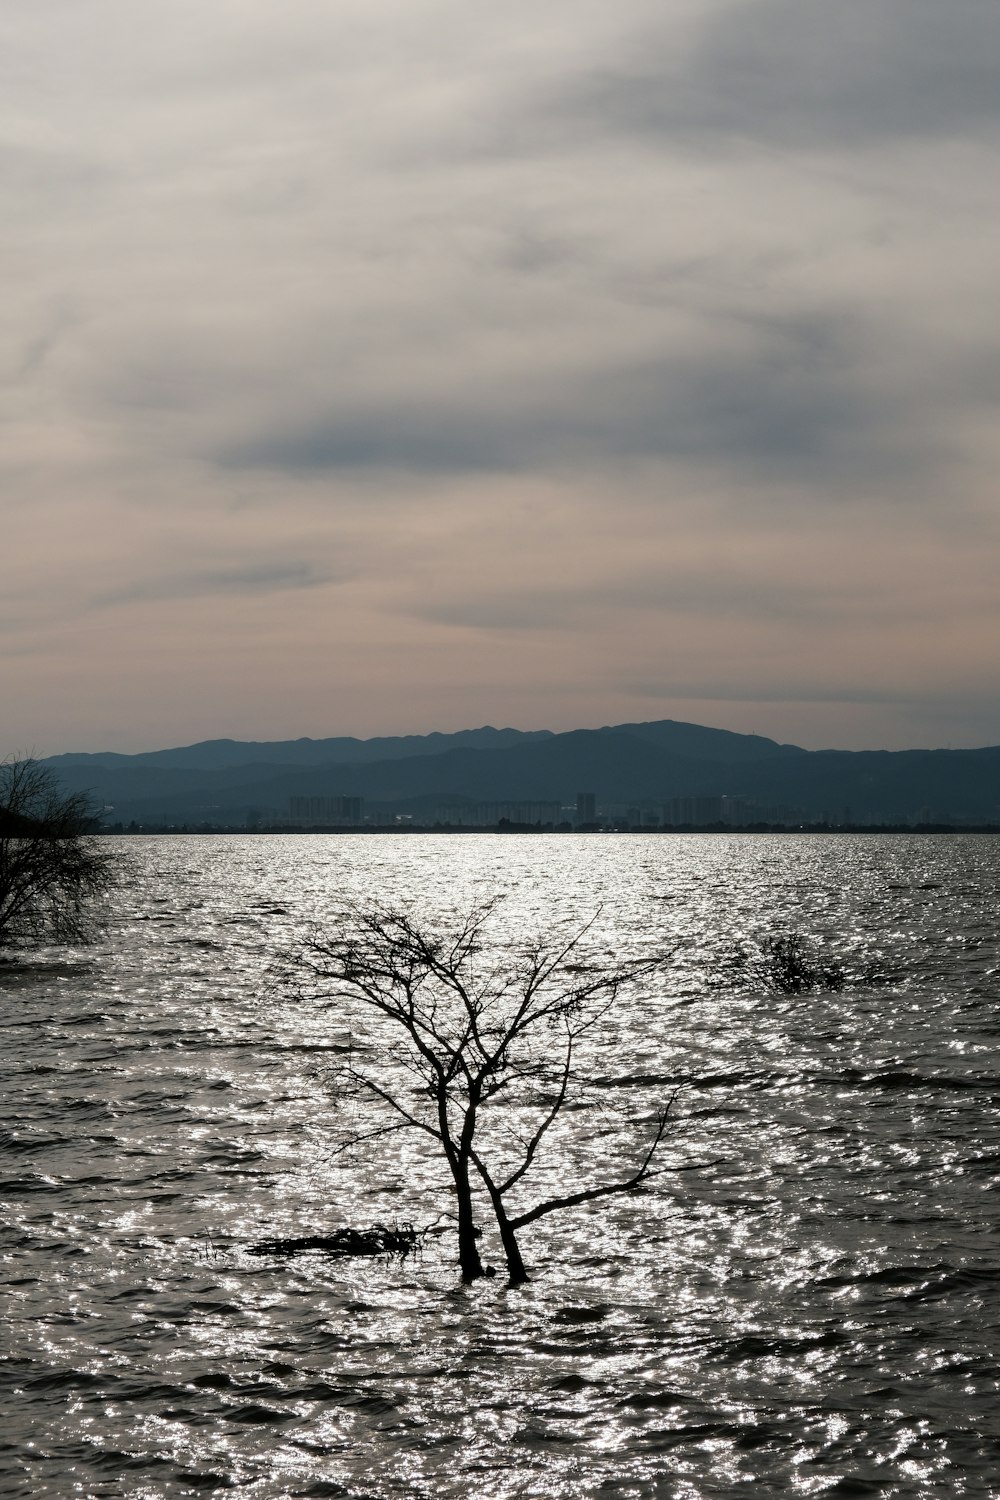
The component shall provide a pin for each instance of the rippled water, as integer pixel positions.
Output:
(816, 1313)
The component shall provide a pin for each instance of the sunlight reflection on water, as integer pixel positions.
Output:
(819, 1309)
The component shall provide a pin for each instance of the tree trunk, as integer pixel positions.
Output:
(515, 1265)
(516, 1269)
(468, 1249)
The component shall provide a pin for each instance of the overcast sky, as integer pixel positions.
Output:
(380, 366)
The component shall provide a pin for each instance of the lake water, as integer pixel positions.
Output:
(816, 1313)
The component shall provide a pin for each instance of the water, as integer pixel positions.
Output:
(817, 1313)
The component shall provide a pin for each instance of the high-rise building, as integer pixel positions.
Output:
(683, 811)
(309, 811)
(586, 807)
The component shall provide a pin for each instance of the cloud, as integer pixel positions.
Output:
(516, 611)
(53, 177)
(803, 74)
(784, 399)
(416, 439)
(403, 367)
(199, 582)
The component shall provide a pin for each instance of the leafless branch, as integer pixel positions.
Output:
(489, 1043)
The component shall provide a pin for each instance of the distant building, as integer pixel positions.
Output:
(313, 812)
(681, 811)
(729, 811)
(736, 811)
(489, 814)
(586, 807)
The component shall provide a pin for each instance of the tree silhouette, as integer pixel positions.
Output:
(478, 1054)
(50, 868)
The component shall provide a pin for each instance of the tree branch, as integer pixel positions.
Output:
(588, 1195)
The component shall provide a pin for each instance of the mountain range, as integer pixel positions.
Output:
(664, 769)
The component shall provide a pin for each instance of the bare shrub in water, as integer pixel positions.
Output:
(477, 1054)
(792, 964)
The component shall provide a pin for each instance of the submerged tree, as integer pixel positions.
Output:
(478, 1054)
(50, 866)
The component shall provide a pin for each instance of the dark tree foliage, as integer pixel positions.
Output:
(476, 1052)
(50, 867)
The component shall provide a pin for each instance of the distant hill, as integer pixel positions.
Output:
(696, 742)
(652, 765)
(212, 755)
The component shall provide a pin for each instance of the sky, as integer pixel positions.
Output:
(396, 365)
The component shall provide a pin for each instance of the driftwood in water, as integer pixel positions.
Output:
(378, 1239)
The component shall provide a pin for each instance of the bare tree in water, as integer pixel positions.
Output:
(475, 1052)
(50, 866)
